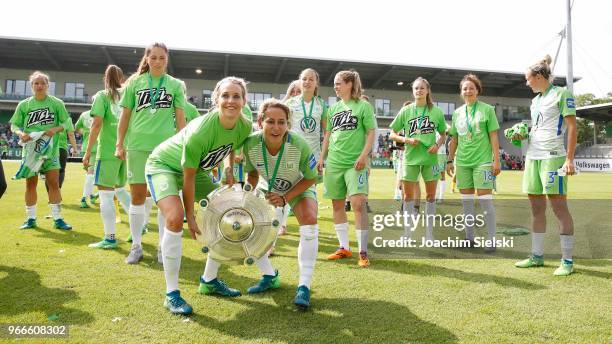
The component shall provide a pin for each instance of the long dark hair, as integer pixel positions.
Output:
(113, 78)
(143, 66)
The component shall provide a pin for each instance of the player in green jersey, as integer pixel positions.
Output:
(42, 113)
(474, 148)
(64, 137)
(149, 100)
(184, 161)
(110, 171)
(547, 165)
(281, 163)
(420, 122)
(348, 140)
(190, 110)
(83, 127)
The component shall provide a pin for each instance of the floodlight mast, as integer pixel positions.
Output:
(568, 35)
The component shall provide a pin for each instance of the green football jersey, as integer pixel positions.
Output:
(191, 112)
(149, 126)
(297, 162)
(246, 111)
(203, 143)
(420, 123)
(110, 112)
(32, 115)
(84, 124)
(63, 135)
(348, 123)
(472, 125)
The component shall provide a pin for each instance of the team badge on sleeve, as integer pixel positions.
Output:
(312, 161)
(570, 103)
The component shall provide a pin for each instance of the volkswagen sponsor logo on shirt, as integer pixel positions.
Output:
(282, 185)
(40, 145)
(308, 125)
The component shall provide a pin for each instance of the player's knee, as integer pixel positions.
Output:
(338, 206)
(561, 211)
(358, 204)
(309, 217)
(538, 210)
(174, 220)
(138, 198)
(31, 183)
(52, 183)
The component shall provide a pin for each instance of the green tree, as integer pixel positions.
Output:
(584, 126)
(590, 99)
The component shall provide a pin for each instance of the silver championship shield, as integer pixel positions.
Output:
(238, 226)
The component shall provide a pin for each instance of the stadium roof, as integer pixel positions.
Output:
(598, 112)
(24, 53)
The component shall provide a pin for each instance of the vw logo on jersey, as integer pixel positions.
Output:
(40, 145)
(282, 185)
(308, 125)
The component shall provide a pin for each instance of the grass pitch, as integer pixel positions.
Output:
(48, 274)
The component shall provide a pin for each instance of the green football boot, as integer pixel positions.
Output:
(531, 262)
(28, 224)
(565, 269)
(105, 244)
(176, 304)
(61, 224)
(302, 297)
(265, 283)
(218, 287)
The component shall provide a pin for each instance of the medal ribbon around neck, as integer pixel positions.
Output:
(264, 152)
(421, 118)
(309, 115)
(154, 93)
(469, 120)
